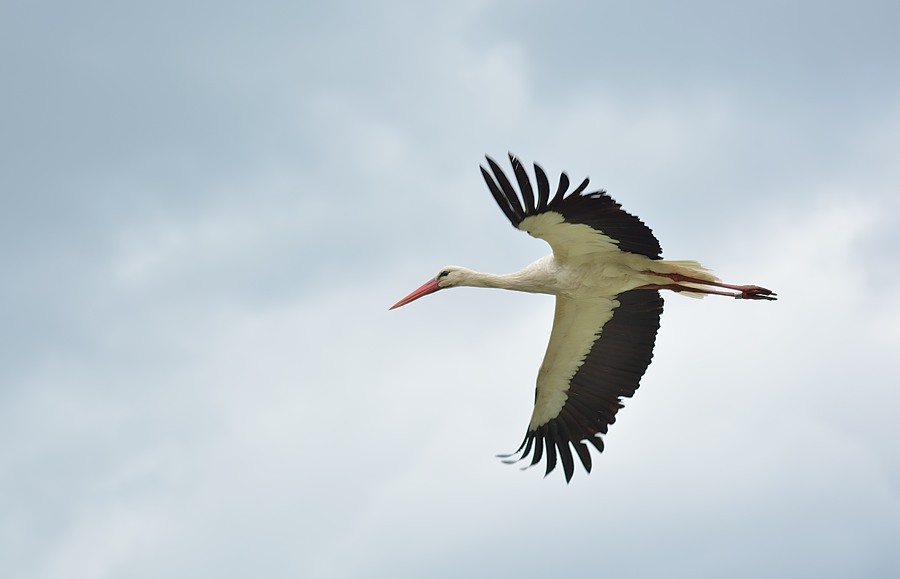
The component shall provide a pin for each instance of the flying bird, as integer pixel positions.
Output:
(606, 271)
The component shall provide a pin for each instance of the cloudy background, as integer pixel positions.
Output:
(206, 209)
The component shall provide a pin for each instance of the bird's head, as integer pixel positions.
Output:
(450, 276)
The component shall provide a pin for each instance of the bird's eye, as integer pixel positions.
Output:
(444, 273)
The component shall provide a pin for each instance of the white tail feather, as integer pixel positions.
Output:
(686, 267)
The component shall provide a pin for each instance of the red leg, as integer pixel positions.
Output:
(683, 288)
(747, 292)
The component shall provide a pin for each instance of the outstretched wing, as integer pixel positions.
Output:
(599, 349)
(573, 224)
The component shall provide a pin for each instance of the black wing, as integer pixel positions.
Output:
(571, 410)
(596, 210)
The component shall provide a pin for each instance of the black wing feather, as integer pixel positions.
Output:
(500, 198)
(524, 183)
(538, 449)
(550, 441)
(564, 451)
(584, 453)
(543, 188)
(580, 189)
(508, 192)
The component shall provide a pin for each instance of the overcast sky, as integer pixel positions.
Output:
(206, 209)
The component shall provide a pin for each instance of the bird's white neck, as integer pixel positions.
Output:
(531, 279)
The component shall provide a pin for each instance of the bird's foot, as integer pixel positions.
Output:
(754, 292)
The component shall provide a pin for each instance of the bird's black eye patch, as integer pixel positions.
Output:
(444, 273)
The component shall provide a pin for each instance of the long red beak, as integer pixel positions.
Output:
(429, 287)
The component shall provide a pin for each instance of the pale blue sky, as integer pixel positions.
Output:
(206, 209)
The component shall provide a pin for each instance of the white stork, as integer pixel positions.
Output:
(605, 272)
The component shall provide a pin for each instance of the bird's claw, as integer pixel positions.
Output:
(754, 292)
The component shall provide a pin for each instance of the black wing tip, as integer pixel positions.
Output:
(547, 442)
(517, 205)
(563, 189)
(500, 190)
(505, 194)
